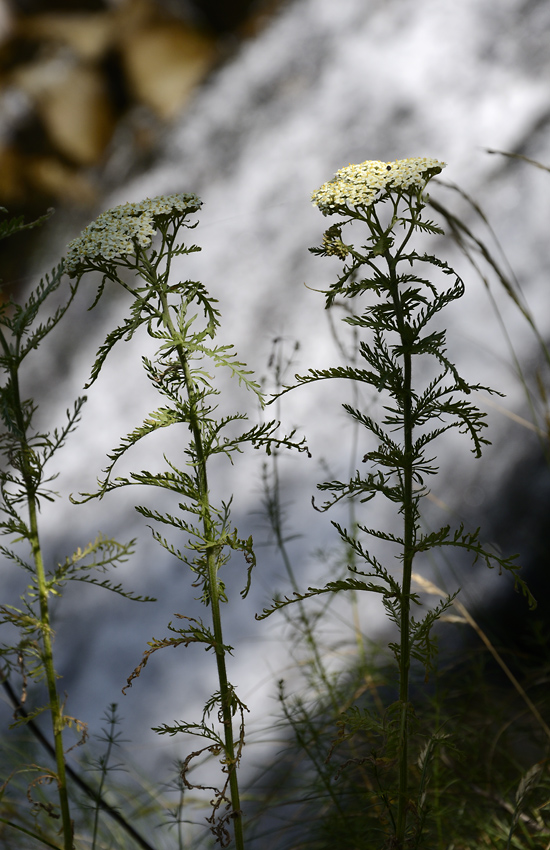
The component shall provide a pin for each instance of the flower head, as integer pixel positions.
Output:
(116, 232)
(361, 185)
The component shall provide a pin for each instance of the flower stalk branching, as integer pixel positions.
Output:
(25, 483)
(181, 373)
(393, 301)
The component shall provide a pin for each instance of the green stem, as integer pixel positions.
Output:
(408, 555)
(404, 658)
(56, 712)
(212, 570)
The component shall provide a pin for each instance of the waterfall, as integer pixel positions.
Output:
(325, 84)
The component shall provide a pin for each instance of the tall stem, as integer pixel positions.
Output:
(212, 569)
(56, 713)
(408, 555)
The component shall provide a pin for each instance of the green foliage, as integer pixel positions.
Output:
(183, 319)
(24, 483)
(473, 764)
(10, 226)
(394, 313)
(390, 755)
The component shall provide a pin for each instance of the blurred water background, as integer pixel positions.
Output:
(321, 84)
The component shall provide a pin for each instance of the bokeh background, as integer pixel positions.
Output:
(87, 89)
(253, 105)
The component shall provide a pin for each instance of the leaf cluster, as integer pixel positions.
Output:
(394, 299)
(397, 307)
(183, 318)
(25, 481)
(222, 806)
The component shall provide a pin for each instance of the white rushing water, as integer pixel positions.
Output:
(325, 84)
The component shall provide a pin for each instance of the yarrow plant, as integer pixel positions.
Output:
(123, 238)
(391, 304)
(25, 484)
(393, 751)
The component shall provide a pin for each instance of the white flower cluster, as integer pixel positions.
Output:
(361, 185)
(115, 232)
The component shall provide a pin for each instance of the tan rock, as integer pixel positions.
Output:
(6, 21)
(24, 177)
(55, 178)
(11, 188)
(88, 35)
(164, 62)
(73, 103)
